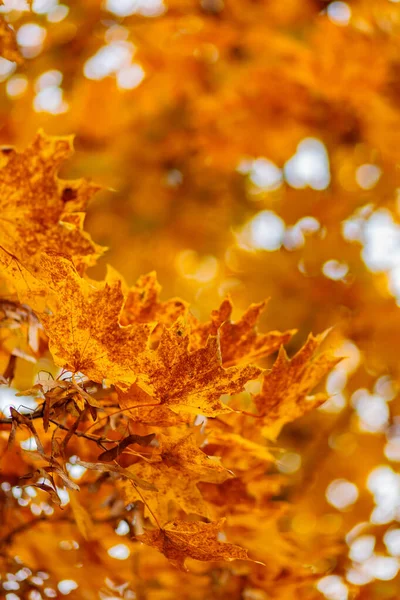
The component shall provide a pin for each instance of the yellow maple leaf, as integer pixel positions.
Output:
(40, 213)
(85, 335)
(8, 44)
(240, 340)
(181, 452)
(141, 408)
(190, 381)
(173, 485)
(82, 324)
(285, 391)
(237, 444)
(179, 540)
(142, 303)
(82, 518)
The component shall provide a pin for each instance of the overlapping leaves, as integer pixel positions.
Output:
(162, 366)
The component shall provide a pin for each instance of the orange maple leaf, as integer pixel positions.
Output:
(285, 391)
(179, 540)
(40, 213)
(240, 340)
(8, 44)
(190, 381)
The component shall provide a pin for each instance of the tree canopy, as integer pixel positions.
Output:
(199, 299)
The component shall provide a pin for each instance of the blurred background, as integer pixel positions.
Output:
(250, 148)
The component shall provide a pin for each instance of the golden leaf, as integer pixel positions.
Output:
(131, 474)
(85, 336)
(8, 44)
(82, 324)
(240, 341)
(142, 408)
(285, 391)
(116, 451)
(173, 485)
(142, 303)
(82, 518)
(238, 444)
(182, 453)
(37, 210)
(179, 540)
(190, 381)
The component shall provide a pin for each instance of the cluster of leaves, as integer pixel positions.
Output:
(155, 422)
(122, 348)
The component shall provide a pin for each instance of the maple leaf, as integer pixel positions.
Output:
(8, 44)
(130, 474)
(231, 495)
(85, 336)
(83, 325)
(179, 540)
(240, 340)
(285, 391)
(181, 452)
(173, 485)
(190, 381)
(239, 445)
(141, 408)
(142, 303)
(38, 210)
(82, 518)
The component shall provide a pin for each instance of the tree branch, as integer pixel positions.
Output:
(38, 414)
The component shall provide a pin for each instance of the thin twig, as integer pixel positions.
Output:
(39, 414)
(92, 438)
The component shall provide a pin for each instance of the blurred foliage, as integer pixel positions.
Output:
(246, 150)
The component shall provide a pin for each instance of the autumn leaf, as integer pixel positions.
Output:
(142, 408)
(190, 381)
(49, 490)
(175, 486)
(82, 324)
(181, 451)
(173, 376)
(285, 391)
(179, 540)
(240, 341)
(142, 303)
(18, 420)
(38, 211)
(131, 474)
(8, 44)
(82, 518)
(237, 444)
